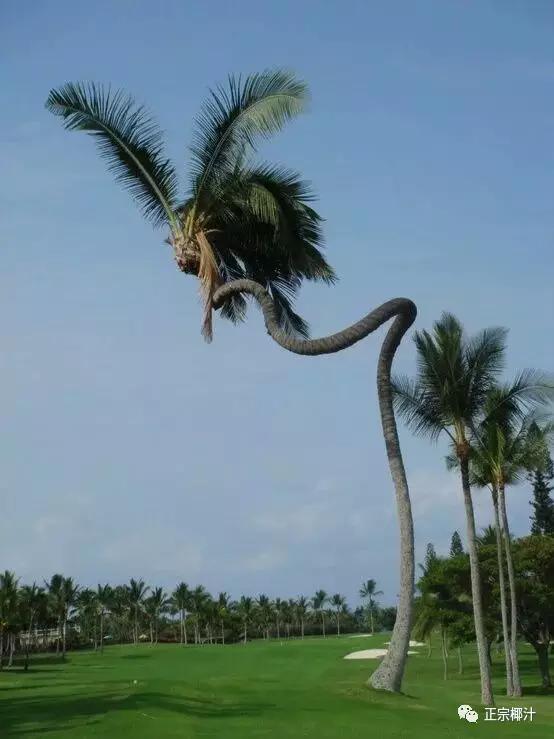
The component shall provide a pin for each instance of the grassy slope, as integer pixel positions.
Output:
(279, 691)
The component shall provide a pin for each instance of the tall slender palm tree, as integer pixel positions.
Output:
(104, 597)
(156, 604)
(249, 229)
(56, 599)
(223, 607)
(302, 606)
(245, 610)
(137, 591)
(70, 591)
(507, 443)
(369, 591)
(338, 602)
(454, 376)
(278, 606)
(198, 599)
(31, 601)
(181, 599)
(265, 608)
(318, 602)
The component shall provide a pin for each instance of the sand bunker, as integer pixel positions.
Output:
(367, 654)
(412, 644)
(370, 654)
(358, 636)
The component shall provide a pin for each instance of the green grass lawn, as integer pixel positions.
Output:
(277, 690)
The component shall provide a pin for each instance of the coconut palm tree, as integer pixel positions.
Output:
(318, 602)
(249, 229)
(507, 443)
(137, 590)
(198, 599)
(240, 218)
(302, 606)
(278, 606)
(369, 591)
(245, 610)
(87, 609)
(156, 603)
(104, 597)
(338, 602)
(265, 608)
(223, 607)
(455, 375)
(55, 588)
(69, 593)
(31, 602)
(181, 600)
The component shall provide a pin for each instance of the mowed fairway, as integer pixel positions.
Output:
(280, 690)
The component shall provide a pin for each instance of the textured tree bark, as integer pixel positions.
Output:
(389, 674)
(503, 609)
(482, 648)
(460, 661)
(517, 692)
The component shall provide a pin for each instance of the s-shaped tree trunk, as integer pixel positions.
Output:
(388, 676)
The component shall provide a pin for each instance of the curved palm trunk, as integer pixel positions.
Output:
(482, 647)
(371, 619)
(338, 623)
(513, 597)
(389, 674)
(503, 609)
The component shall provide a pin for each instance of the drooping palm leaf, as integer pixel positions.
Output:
(127, 138)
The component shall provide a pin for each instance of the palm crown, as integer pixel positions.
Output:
(240, 218)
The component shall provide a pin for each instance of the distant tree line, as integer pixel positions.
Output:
(59, 615)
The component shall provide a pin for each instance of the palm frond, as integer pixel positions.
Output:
(233, 117)
(289, 321)
(127, 138)
(417, 408)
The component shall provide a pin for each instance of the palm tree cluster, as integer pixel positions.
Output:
(497, 431)
(444, 603)
(59, 613)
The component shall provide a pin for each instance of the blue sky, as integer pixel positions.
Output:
(128, 447)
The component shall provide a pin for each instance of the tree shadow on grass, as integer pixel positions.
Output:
(65, 713)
